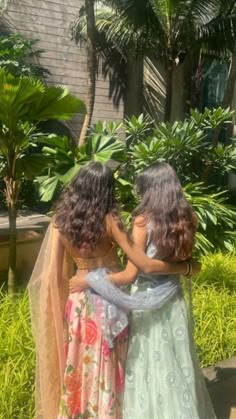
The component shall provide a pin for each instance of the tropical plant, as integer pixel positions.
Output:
(172, 32)
(185, 145)
(188, 148)
(19, 56)
(102, 145)
(217, 219)
(124, 69)
(113, 64)
(24, 102)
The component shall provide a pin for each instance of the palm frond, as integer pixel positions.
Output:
(154, 90)
(200, 11)
(131, 26)
(56, 103)
(18, 95)
(219, 34)
(110, 57)
(24, 98)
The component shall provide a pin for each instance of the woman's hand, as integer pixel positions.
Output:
(78, 282)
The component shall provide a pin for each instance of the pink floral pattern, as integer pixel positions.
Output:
(88, 331)
(94, 376)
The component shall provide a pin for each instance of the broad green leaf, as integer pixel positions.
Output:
(32, 165)
(56, 103)
(68, 176)
(47, 187)
(105, 148)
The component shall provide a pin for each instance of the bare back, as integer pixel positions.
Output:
(104, 255)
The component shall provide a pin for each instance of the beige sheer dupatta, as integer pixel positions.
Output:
(48, 291)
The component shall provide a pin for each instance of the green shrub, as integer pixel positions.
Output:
(19, 55)
(215, 323)
(214, 301)
(219, 270)
(17, 362)
(201, 165)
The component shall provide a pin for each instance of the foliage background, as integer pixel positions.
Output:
(201, 165)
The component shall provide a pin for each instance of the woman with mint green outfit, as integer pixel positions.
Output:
(163, 378)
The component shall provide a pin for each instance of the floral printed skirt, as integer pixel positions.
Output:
(94, 376)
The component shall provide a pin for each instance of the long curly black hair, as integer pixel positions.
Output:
(82, 208)
(163, 204)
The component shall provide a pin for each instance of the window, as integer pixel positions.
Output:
(215, 73)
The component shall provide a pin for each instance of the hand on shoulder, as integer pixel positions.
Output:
(140, 221)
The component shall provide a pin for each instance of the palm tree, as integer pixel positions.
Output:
(168, 31)
(124, 68)
(91, 68)
(24, 102)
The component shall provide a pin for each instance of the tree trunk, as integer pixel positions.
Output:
(12, 193)
(134, 91)
(187, 67)
(12, 274)
(169, 77)
(91, 69)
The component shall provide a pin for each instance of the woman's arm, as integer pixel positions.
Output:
(139, 236)
(136, 253)
(140, 259)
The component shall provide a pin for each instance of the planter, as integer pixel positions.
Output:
(28, 245)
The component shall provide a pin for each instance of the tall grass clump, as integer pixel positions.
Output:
(215, 324)
(214, 302)
(218, 270)
(17, 362)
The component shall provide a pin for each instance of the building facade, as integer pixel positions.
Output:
(49, 21)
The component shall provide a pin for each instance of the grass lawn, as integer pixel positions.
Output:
(214, 301)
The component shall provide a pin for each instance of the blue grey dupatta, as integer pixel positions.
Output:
(114, 305)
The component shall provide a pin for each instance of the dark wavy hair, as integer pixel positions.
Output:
(82, 208)
(163, 204)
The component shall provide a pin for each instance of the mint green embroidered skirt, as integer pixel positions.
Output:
(163, 377)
